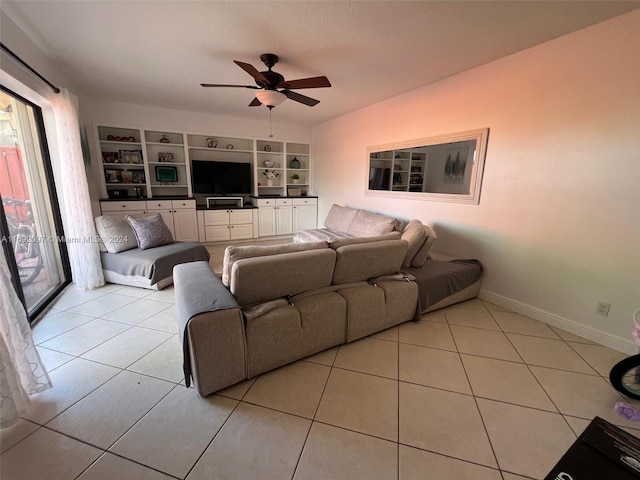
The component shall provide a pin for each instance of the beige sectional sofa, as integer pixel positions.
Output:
(282, 303)
(276, 304)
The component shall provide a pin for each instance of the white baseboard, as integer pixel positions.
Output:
(620, 344)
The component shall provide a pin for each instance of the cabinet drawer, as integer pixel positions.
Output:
(271, 202)
(125, 206)
(180, 204)
(158, 204)
(305, 201)
(281, 202)
(216, 234)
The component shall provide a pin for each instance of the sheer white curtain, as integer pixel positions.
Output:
(21, 370)
(84, 253)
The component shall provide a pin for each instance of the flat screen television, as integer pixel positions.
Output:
(221, 178)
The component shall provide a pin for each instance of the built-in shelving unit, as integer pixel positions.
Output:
(141, 162)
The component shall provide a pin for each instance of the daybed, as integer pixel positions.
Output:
(277, 304)
(143, 256)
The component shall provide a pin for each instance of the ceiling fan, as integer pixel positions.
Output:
(272, 89)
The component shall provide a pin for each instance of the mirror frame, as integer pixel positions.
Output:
(481, 136)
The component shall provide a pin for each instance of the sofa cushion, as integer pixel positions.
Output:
(318, 235)
(263, 278)
(369, 224)
(150, 231)
(339, 218)
(233, 254)
(116, 234)
(363, 261)
(336, 243)
(421, 256)
(415, 235)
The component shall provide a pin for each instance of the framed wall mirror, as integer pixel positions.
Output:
(446, 168)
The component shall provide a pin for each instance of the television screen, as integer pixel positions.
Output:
(221, 178)
(166, 174)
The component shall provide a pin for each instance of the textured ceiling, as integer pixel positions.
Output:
(158, 52)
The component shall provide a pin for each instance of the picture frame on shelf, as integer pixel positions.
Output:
(166, 174)
(127, 176)
(131, 156)
(110, 157)
(138, 176)
(167, 157)
(113, 176)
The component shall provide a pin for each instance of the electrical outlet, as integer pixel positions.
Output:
(602, 308)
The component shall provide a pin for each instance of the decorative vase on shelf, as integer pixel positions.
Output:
(212, 142)
(269, 182)
(164, 139)
(295, 163)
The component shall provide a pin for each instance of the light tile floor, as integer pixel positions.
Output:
(470, 392)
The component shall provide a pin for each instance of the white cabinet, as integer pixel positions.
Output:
(305, 214)
(180, 217)
(232, 224)
(284, 216)
(275, 217)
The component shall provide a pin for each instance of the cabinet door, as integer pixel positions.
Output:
(304, 217)
(185, 225)
(216, 234)
(283, 220)
(266, 221)
(167, 216)
(241, 231)
(216, 217)
(240, 216)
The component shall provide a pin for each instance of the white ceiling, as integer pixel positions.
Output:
(158, 52)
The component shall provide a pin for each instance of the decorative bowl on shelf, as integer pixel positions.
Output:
(267, 163)
(164, 139)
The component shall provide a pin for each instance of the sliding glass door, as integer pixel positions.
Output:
(29, 218)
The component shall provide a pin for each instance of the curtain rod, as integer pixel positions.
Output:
(28, 67)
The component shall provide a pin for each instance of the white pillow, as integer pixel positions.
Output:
(116, 234)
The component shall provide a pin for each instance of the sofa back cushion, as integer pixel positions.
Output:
(415, 235)
(336, 243)
(369, 224)
(339, 218)
(233, 254)
(258, 279)
(421, 256)
(363, 261)
(116, 234)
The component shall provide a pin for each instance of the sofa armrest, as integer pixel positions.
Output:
(211, 329)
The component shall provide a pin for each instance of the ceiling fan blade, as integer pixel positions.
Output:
(222, 85)
(251, 70)
(301, 98)
(312, 82)
(255, 103)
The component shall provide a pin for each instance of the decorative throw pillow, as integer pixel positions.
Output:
(150, 231)
(415, 234)
(421, 257)
(115, 234)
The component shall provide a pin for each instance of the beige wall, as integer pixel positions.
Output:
(558, 225)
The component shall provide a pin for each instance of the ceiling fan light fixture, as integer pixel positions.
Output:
(270, 98)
